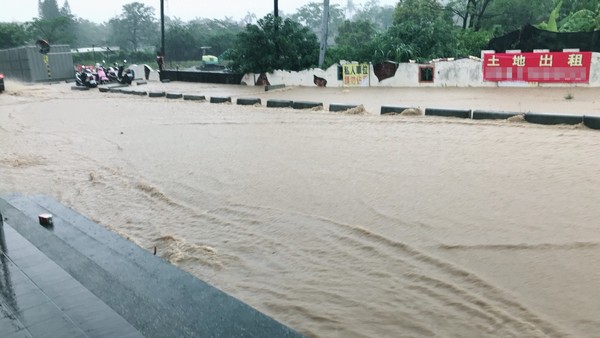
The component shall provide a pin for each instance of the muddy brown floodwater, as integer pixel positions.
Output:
(338, 225)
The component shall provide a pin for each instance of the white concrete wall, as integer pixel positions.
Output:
(456, 73)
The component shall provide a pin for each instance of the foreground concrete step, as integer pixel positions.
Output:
(157, 298)
(45, 300)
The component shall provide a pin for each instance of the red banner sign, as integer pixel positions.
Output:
(570, 67)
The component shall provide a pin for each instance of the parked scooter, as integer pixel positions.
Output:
(125, 76)
(101, 77)
(86, 78)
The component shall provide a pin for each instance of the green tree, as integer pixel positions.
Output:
(353, 43)
(382, 17)
(55, 31)
(274, 43)
(470, 42)
(12, 35)
(136, 26)
(311, 14)
(48, 9)
(423, 29)
(473, 13)
(90, 34)
(509, 15)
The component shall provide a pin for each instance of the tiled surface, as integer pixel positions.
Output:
(106, 279)
(39, 299)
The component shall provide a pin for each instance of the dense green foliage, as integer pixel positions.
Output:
(274, 43)
(412, 30)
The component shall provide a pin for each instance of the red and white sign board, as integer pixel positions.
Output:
(565, 67)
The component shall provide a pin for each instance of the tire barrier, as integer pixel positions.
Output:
(492, 115)
(280, 103)
(194, 97)
(220, 99)
(248, 101)
(139, 83)
(306, 104)
(592, 122)
(461, 113)
(337, 107)
(273, 87)
(156, 94)
(174, 95)
(551, 119)
(393, 110)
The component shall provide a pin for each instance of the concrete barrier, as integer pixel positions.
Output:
(461, 113)
(273, 87)
(591, 121)
(390, 110)
(139, 92)
(335, 107)
(188, 97)
(157, 94)
(280, 103)
(248, 101)
(550, 119)
(139, 83)
(306, 104)
(492, 115)
(117, 90)
(174, 95)
(103, 89)
(220, 99)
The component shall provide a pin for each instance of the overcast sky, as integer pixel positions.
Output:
(103, 10)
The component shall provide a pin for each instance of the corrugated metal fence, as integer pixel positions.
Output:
(27, 64)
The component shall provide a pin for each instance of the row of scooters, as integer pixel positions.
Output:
(92, 76)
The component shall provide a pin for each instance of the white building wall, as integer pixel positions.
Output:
(456, 73)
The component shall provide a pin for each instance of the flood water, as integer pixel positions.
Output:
(337, 225)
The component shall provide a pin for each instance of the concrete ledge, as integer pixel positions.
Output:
(103, 89)
(389, 110)
(492, 115)
(220, 99)
(194, 97)
(174, 95)
(248, 101)
(280, 103)
(139, 92)
(273, 87)
(79, 88)
(104, 276)
(550, 119)
(335, 107)
(156, 94)
(306, 104)
(592, 122)
(462, 113)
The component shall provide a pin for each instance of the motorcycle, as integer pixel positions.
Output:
(125, 76)
(86, 78)
(101, 77)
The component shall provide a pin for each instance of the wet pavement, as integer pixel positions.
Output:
(77, 279)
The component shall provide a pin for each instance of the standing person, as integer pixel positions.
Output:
(160, 60)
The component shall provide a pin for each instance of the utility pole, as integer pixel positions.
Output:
(324, 32)
(162, 28)
(276, 11)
